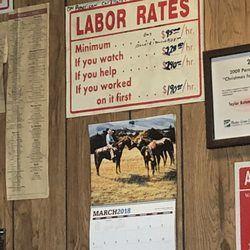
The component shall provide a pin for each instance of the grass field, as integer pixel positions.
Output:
(133, 183)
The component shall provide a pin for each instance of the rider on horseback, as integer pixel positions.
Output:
(110, 141)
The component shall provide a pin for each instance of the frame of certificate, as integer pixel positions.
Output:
(227, 96)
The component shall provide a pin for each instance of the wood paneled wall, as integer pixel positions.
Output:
(207, 177)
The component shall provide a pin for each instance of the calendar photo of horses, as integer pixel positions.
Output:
(133, 160)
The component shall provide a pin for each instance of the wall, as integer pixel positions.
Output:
(207, 180)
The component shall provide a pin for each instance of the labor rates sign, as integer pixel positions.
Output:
(124, 55)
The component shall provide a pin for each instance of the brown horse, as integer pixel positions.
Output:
(166, 146)
(104, 153)
(162, 147)
(145, 152)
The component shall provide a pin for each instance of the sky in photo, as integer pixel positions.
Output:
(157, 122)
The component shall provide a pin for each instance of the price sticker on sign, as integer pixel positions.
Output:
(124, 55)
(242, 205)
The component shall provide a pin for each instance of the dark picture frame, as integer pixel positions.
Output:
(209, 100)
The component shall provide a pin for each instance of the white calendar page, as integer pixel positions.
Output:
(134, 226)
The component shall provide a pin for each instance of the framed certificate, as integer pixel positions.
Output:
(227, 89)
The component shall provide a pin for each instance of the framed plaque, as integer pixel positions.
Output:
(227, 89)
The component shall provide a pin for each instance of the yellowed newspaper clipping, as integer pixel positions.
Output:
(27, 104)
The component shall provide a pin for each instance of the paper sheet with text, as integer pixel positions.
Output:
(27, 104)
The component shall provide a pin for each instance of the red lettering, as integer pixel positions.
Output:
(89, 26)
(78, 30)
(141, 11)
(110, 25)
(98, 22)
(121, 15)
(78, 48)
(172, 8)
(152, 13)
(162, 6)
(185, 7)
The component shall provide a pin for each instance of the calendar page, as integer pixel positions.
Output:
(134, 226)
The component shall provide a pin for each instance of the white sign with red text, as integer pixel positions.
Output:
(124, 55)
(242, 205)
(6, 6)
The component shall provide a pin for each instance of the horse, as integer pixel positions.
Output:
(164, 146)
(168, 147)
(148, 154)
(145, 152)
(161, 148)
(104, 153)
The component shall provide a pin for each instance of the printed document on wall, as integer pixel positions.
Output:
(27, 104)
(124, 55)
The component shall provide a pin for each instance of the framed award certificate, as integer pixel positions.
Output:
(227, 89)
